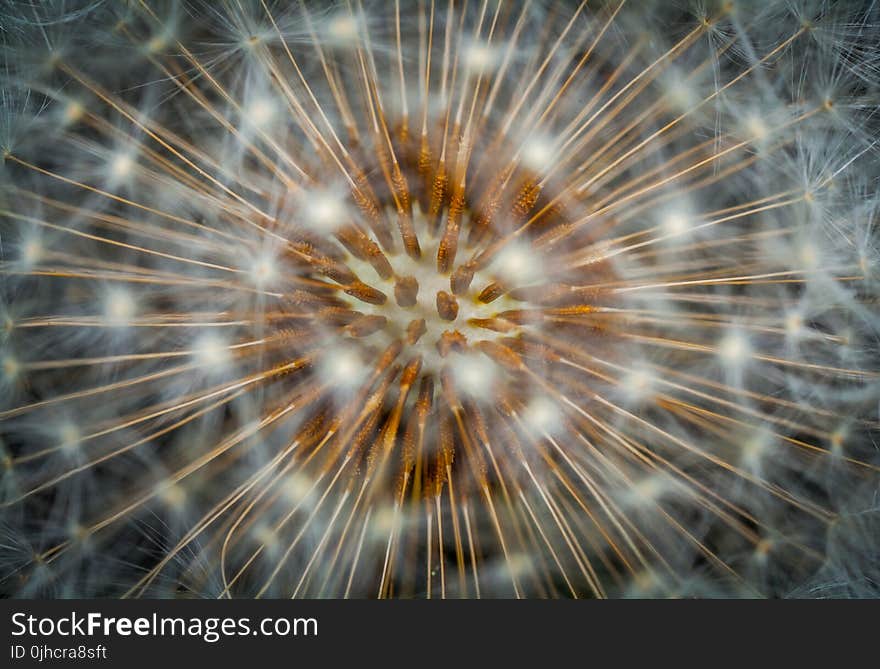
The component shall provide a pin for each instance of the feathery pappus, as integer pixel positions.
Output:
(439, 298)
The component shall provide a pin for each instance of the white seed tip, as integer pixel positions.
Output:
(119, 307)
(473, 374)
(542, 414)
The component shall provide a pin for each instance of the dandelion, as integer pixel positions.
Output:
(439, 299)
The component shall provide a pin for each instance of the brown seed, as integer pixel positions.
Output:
(449, 242)
(543, 294)
(447, 306)
(340, 316)
(526, 199)
(574, 310)
(461, 279)
(504, 356)
(522, 316)
(365, 293)
(438, 196)
(406, 291)
(410, 372)
(491, 292)
(451, 341)
(335, 271)
(415, 330)
(496, 324)
(366, 325)
(378, 260)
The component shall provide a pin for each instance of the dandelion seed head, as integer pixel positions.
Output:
(405, 299)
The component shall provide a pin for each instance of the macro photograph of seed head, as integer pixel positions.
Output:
(439, 299)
